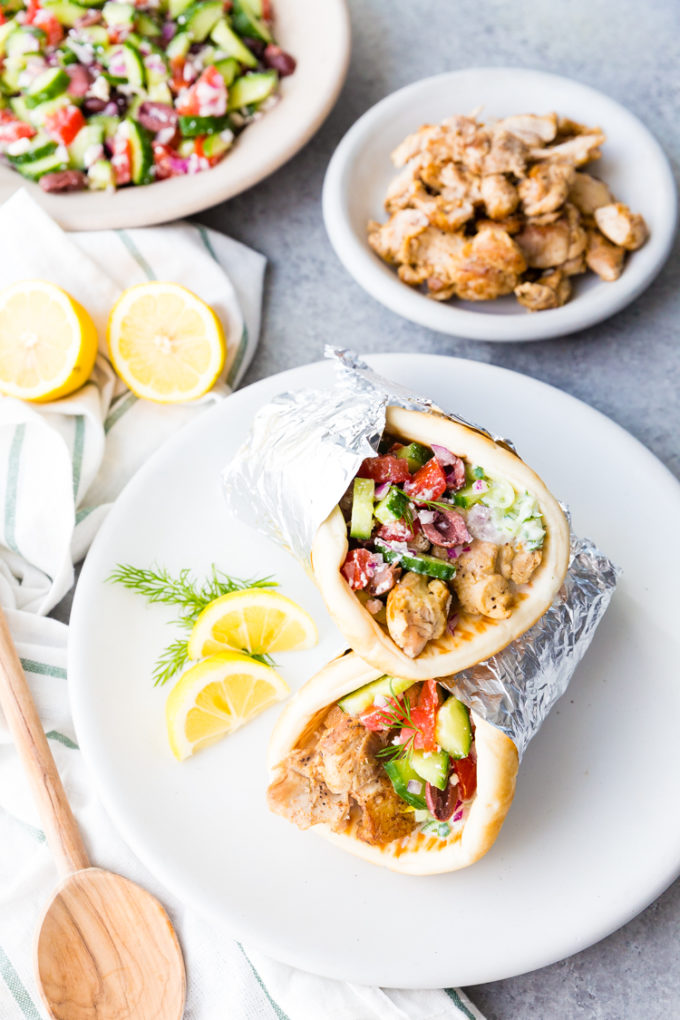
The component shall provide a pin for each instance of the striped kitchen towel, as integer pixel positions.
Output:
(61, 466)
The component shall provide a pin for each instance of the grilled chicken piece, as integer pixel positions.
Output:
(417, 611)
(588, 193)
(551, 291)
(508, 154)
(499, 195)
(451, 181)
(518, 565)
(337, 779)
(459, 140)
(391, 240)
(545, 246)
(489, 265)
(545, 188)
(603, 257)
(530, 128)
(432, 256)
(575, 266)
(480, 589)
(621, 226)
(578, 236)
(576, 151)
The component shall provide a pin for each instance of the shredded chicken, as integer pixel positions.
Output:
(417, 611)
(336, 778)
(518, 565)
(478, 208)
(478, 585)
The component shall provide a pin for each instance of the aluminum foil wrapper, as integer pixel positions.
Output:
(302, 453)
(305, 448)
(515, 689)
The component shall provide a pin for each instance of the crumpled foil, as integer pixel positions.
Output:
(515, 689)
(302, 453)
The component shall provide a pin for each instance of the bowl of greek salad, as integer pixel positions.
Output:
(109, 109)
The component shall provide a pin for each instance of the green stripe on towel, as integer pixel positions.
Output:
(78, 448)
(11, 492)
(62, 739)
(136, 254)
(16, 987)
(122, 405)
(206, 241)
(240, 355)
(274, 1005)
(43, 668)
(457, 1001)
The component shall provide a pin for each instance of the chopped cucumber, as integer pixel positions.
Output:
(230, 44)
(200, 18)
(147, 26)
(215, 145)
(47, 85)
(37, 168)
(39, 146)
(415, 455)
(39, 114)
(194, 127)
(421, 564)
(141, 152)
(134, 65)
(432, 766)
(363, 492)
(24, 39)
(176, 7)
(392, 507)
(110, 124)
(246, 22)
(452, 731)
(101, 175)
(252, 88)
(362, 699)
(66, 12)
(159, 92)
(118, 14)
(470, 495)
(401, 774)
(5, 32)
(179, 46)
(89, 137)
(20, 109)
(228, 68)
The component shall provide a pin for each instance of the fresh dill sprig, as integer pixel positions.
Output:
(438, 504)
(398, 714)
(158, 585)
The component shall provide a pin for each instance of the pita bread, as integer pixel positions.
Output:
(418, 854)
(475, 637)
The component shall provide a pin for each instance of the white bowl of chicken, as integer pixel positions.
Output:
(500, 204)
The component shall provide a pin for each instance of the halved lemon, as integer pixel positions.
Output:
(165, 343)
(256, 621)
(48, 342)
(216, 697)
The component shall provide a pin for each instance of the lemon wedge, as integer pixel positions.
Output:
(165, 343)
(48, 342)
(215, 697)
(255, 620)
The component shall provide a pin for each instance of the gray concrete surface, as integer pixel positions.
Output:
(627, 367)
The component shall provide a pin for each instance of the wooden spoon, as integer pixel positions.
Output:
(105, 949)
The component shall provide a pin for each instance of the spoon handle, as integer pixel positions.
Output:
(60, 826)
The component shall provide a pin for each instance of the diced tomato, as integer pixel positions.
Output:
(177, 71)
(429, 482)
(398, 531)
(2, 17)
(357, 568)
(162, 157)
(50, 26)
(32, 8)
(121, 160)
(384, 469)
(267, 13)
(375, 719)
(12, 129)
(424, 717)
(466, 770)
(207, 97)
(64, 124)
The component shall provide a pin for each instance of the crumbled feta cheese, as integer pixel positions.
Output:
(100, 89)
(19, 147)
(92, 154)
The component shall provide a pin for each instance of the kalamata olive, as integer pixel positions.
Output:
(80, 79)
(156, 116)
(255, 46)
(441, 803)
(64, 180)
(94, 105)
(279, 60)
(121, 103)
(446, 529)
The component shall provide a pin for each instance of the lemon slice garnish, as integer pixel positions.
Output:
(48, 342)
(165, 343)
(256, 621)
(216, 697)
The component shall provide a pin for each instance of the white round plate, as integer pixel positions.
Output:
(317, 34)
(593, 835)
(632, 163)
